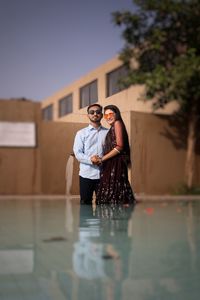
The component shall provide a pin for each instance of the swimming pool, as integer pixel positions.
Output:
(55, 249)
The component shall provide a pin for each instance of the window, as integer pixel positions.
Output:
(47, 113)
(88, 94)
(113, 78)
(65, 105)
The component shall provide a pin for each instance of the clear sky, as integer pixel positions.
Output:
(47, 44)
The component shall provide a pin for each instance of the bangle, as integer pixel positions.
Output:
(116, 150)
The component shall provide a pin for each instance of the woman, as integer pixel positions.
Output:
(114, 186)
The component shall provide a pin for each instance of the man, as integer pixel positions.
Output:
(89, 142)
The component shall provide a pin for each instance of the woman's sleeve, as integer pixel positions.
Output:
(118, 127)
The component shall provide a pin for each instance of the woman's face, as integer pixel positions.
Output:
(110, 116)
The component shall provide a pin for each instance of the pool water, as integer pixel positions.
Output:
(57, 249)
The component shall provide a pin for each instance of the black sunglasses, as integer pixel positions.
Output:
(92, 112)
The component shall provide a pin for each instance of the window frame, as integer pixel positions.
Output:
(117, 73)
(47, 113)
(91, 99)
(64, 101)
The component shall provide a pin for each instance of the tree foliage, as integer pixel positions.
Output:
(163, 37)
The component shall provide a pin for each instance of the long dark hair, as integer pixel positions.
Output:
(116, 110)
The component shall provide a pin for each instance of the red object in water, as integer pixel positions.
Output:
(149, 210)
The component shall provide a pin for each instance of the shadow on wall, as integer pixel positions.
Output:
(177, 131)
(158, 148)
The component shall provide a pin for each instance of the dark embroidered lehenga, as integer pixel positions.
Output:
(114, 186)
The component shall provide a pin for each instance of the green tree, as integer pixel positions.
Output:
(164, 38)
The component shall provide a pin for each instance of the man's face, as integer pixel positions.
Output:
(95, 114)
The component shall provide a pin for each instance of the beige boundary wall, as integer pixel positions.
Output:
(158, 166)
(20, 168)
(56, 147)
(39, 170)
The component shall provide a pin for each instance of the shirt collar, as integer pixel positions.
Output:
(92, 127)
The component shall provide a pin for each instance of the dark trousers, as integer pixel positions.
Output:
(87, 188)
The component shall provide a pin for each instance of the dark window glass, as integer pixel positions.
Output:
(88, 94)
(47, 113)
(65, 105)
(113, 80)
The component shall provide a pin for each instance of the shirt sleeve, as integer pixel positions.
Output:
(119, 135)
(78, 149)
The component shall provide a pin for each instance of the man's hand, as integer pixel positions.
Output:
(96, 160)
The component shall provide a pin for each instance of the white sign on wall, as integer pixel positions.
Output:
(17, 134)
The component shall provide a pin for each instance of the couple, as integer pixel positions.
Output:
(104, 156)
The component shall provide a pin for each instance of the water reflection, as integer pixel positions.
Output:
(102, 251)
(103, 236)
(55, 249)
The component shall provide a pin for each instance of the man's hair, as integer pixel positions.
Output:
(94, 104)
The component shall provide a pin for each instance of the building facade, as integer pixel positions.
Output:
(99, 86)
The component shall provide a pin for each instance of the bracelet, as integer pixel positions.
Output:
(116, 150)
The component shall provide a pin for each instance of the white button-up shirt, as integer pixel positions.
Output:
(89, 141)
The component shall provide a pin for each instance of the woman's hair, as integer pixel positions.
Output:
(117, 112)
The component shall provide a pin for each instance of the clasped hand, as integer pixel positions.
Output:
(96, 160)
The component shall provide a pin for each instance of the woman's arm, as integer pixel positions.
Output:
(119, 142)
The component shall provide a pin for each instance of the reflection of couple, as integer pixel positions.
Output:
(103, 236)
(106, 172)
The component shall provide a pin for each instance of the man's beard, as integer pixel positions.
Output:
(95, 120)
